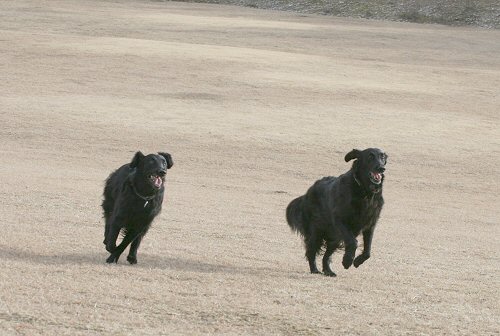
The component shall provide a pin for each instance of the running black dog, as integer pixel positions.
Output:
(133, 196)
(335, 210)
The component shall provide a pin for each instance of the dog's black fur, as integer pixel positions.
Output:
(335, 210)
(133, 196)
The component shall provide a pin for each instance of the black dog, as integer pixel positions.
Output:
(133, 196)
(335, 210)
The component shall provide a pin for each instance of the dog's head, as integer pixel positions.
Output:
(369, 167)
(152, 167)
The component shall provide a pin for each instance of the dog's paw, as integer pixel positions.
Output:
(347, 261)
(112, 259)
(132, 260)
(329, 273)
(360, 259)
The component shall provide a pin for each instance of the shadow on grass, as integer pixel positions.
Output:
(146, 262)
(198, 266)
(25, 255)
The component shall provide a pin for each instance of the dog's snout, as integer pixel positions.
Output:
(381, 169)
(162, 173)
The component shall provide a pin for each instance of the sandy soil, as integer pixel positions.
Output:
(254, 107)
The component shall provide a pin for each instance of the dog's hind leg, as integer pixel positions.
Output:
(331, 246)
(132, 254)
(313, 245)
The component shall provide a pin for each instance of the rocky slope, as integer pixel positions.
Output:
(482, 13)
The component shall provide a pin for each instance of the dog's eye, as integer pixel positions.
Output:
(371, 157)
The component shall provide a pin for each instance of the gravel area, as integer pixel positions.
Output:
(484, 13)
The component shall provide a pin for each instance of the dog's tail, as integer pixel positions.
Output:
(295, 216)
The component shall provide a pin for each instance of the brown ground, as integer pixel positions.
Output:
(254, 106)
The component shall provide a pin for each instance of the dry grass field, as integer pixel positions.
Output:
(254, 106)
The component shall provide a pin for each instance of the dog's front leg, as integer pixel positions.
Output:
(351, 244)
(113, 233)
(132, 254)
(367, 246)
(115, 225)
(115, 255)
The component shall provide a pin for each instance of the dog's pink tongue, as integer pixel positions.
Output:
(158, 182)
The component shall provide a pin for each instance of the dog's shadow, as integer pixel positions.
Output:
(25, 255)
(197, 266)
(146, 262)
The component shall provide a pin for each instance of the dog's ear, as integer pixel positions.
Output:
(354, 154)
(168, 158)
(137, 158)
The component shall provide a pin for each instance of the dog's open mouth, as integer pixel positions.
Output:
(156, 180)
(375, 178)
